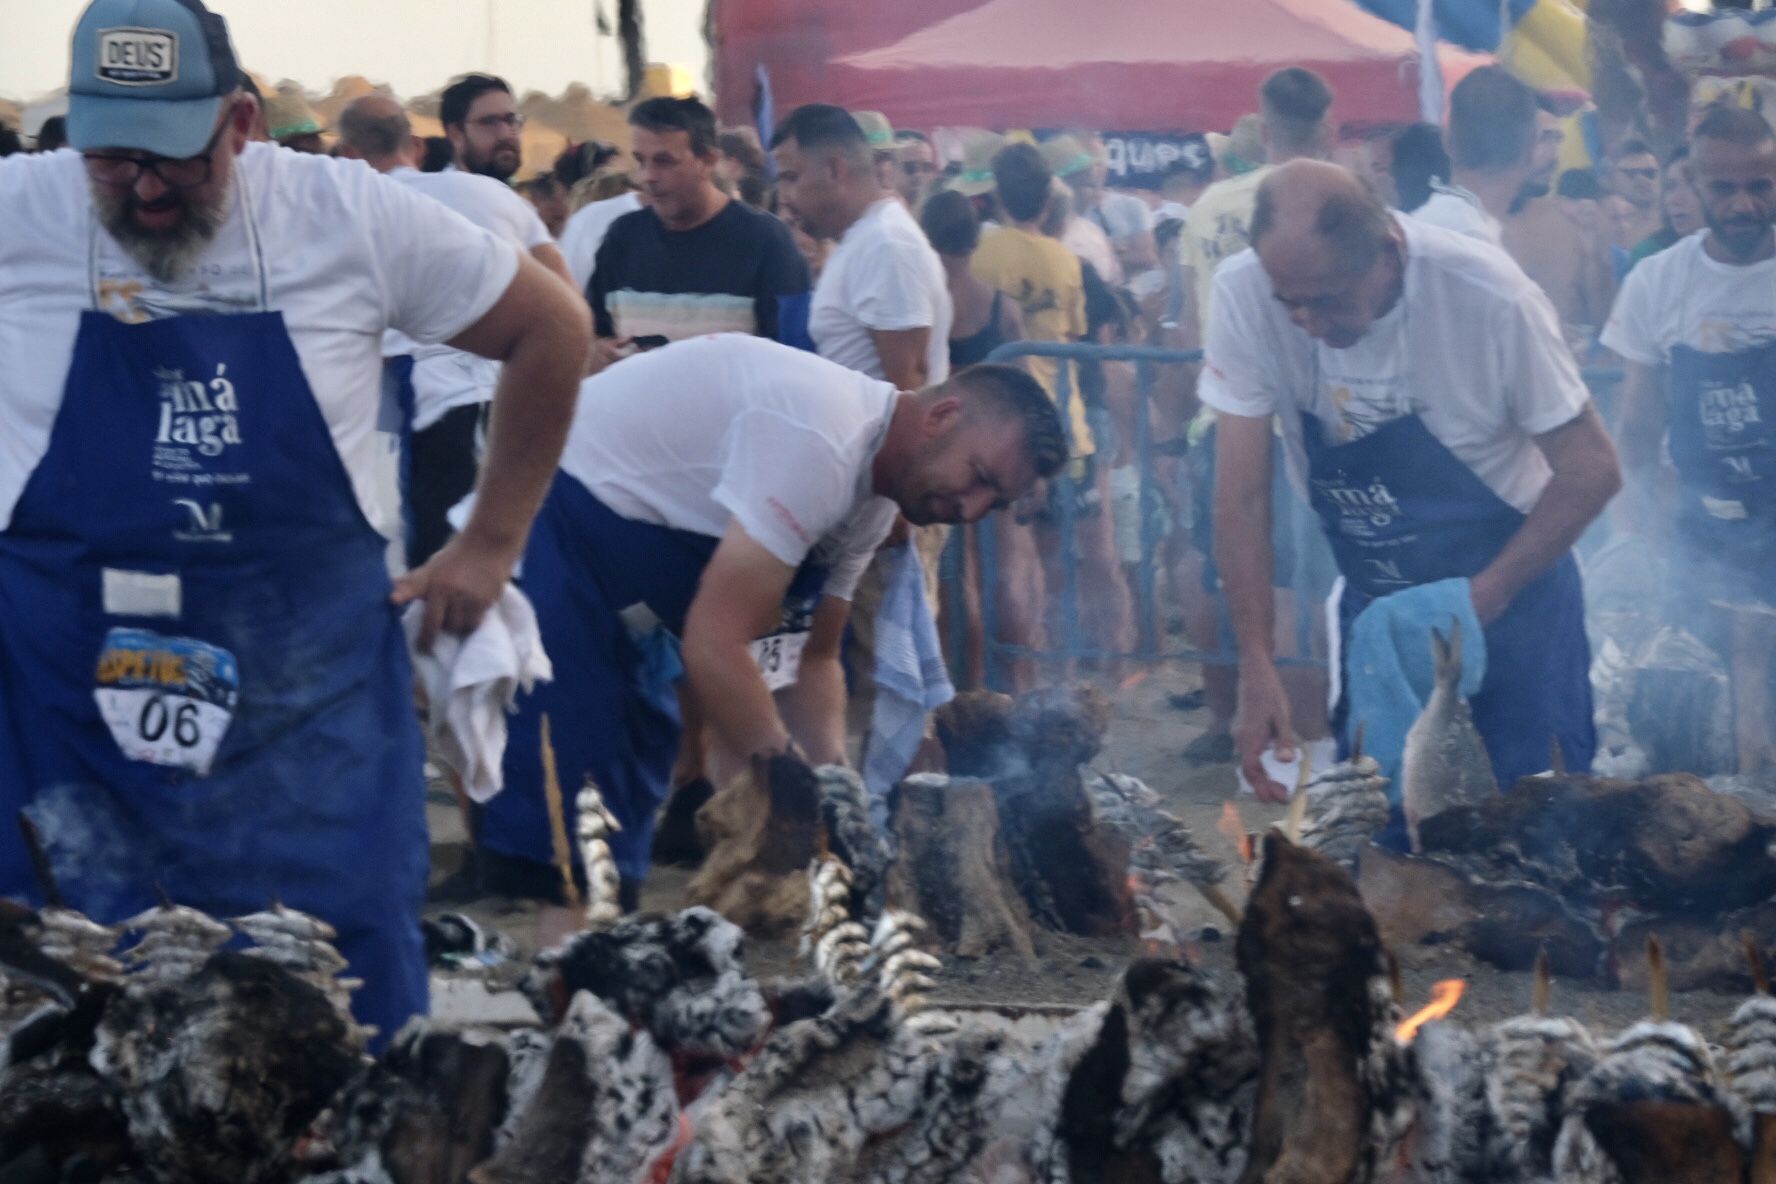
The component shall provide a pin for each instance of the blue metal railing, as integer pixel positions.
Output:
(1071, 643)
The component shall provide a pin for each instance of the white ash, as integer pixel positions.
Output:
(1653, 1060)
(1451, 1142)
(1347, 805)
(1388, 1073)
(857, 827)
(1536, 1063)
(595, 826)
(1748, 1066)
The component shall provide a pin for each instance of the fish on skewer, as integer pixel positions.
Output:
(1161, 847)
(1347, 806)
(1749, 1067)
(1537, 1061)
(836, 944)
(1654, 1060)
(604, 884)
(1444, 763)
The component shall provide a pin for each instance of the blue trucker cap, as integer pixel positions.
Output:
(149, 75)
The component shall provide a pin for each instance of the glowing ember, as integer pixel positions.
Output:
(1132, 681)
(1234, 828)
(1444, 996)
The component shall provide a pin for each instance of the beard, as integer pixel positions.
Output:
(499, 163)
(167, 255)
(1740, 236)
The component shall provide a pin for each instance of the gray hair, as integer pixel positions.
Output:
(375, 136)
(1355, 224)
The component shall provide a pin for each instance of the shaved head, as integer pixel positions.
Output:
(375, 128)
(1333, 253)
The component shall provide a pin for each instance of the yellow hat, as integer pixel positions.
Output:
(287, 112)
(876, 129)
(976, 176)
(1066, 156)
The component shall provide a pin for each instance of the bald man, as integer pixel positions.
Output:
(450, 389)
(1443, 432)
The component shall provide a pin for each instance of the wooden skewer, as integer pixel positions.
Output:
(40, 865)
(1396, 979)
(1357, 740)
(1298, 803)
(1760, 973)
(1658, 984)
(1556, 758)
(1222, 904)
(1544, 982)
(570, 890)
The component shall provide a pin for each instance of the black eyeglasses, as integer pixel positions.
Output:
(174, 172)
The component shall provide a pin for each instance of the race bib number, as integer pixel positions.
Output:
(167, 700)
(779, 657)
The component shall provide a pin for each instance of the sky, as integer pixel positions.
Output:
(413, 45)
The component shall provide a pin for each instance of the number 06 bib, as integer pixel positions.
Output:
(167, 700)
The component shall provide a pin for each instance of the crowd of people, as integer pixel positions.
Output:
(725, 405)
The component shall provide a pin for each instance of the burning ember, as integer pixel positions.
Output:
(1444, 996)
(1234, 828)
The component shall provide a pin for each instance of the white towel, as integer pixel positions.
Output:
(910, 678)
(472, 682)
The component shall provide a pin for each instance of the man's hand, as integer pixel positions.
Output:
(607, 351)
(458, 585)
(1262, 720)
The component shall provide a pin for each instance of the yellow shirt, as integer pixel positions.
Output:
(1219, 227)
(1044, 278)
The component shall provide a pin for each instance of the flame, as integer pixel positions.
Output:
(1132, 681)
(1234, 828)
(1444, 996)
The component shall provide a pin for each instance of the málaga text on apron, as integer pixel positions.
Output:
(203, 687)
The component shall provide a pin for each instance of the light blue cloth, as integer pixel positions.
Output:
(910, 677)
(1388, 668)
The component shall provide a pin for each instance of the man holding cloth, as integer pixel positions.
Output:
(1445, 433)
(204, 684)
(736, 514)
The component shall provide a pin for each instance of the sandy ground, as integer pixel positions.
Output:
(1146, 737)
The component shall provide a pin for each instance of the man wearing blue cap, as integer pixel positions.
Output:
(204, 688)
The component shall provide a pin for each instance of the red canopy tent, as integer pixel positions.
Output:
(1132, 65)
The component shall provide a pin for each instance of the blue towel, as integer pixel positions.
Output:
(910, 677)
(1388, 672)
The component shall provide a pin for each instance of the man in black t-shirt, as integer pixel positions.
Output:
(694, 261)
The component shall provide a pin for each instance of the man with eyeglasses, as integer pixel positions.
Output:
(204, 683)
(484, 125)
(1634, 177)
(1443, 434)
(1696, 325)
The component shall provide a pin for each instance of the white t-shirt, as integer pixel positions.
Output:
(882, 275)
(348, 254)
(1472, 346)
(1087, 240)
(584, 232)
(445, 378)
(1455, 208)
(732, 427)
(1219, 227)
(1682, 297)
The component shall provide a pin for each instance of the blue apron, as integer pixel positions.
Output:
(611, 716)
(1723, 410)
(204, 688)
(1401, 510)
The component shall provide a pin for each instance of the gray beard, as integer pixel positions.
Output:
(166, 255)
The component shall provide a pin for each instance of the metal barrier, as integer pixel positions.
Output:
(1072, 644)
(1150, 646)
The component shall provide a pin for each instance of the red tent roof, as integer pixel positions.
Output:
(1132, 65)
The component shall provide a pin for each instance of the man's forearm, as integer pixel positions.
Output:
(735, 701)
(814, 710)
(1570, 503)
(1242, 554)
(532, 408)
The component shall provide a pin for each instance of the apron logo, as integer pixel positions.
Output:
(1374, 504)
(137, 57)
(206, 523)
(201, 416)
(1729, 410)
